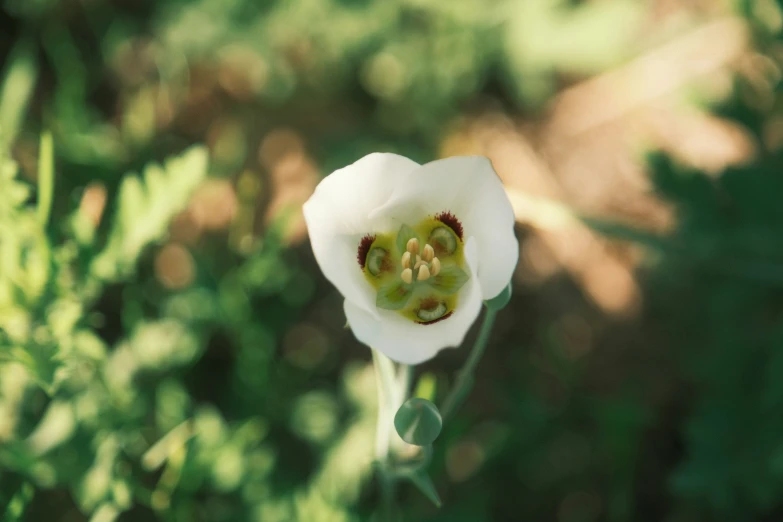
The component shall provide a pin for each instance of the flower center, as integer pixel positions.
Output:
(420, 283)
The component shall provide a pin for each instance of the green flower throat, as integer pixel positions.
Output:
(419, 282)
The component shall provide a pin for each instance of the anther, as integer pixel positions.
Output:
(424, 273)
(413, 246)
(406, 260)
(407, 275)
(435, 267)
(428, 253)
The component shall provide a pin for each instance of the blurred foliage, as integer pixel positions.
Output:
(169, 351)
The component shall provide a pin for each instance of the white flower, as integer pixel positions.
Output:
(414, 249)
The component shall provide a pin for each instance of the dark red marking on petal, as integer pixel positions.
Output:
(364, 249)
(451, 221)
(445, 316)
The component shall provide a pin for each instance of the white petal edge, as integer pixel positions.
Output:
(470, 188)
(410, 343)
(338, 216)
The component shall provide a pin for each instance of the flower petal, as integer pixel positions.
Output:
(470, 188)
(337, 217)
(407, 342)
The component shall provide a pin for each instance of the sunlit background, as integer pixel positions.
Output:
(169, 350)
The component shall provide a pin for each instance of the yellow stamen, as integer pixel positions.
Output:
(424, 273)
(428, 253)
(406, 260)
(407, 275)
(435, 267)
(413, 246)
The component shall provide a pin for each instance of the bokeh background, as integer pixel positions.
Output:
(169, 350)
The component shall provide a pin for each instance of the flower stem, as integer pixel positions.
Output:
(388, 396)
(405, 378)
(465, 379)
(388, 483)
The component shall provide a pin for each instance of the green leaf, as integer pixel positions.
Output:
(449, 280)
(16, 90)
(423, 483)
(19, 502)
(501, 300)
(403, 236)
(45, 177)
(418, 422)
(394, 296)
(146, 206)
